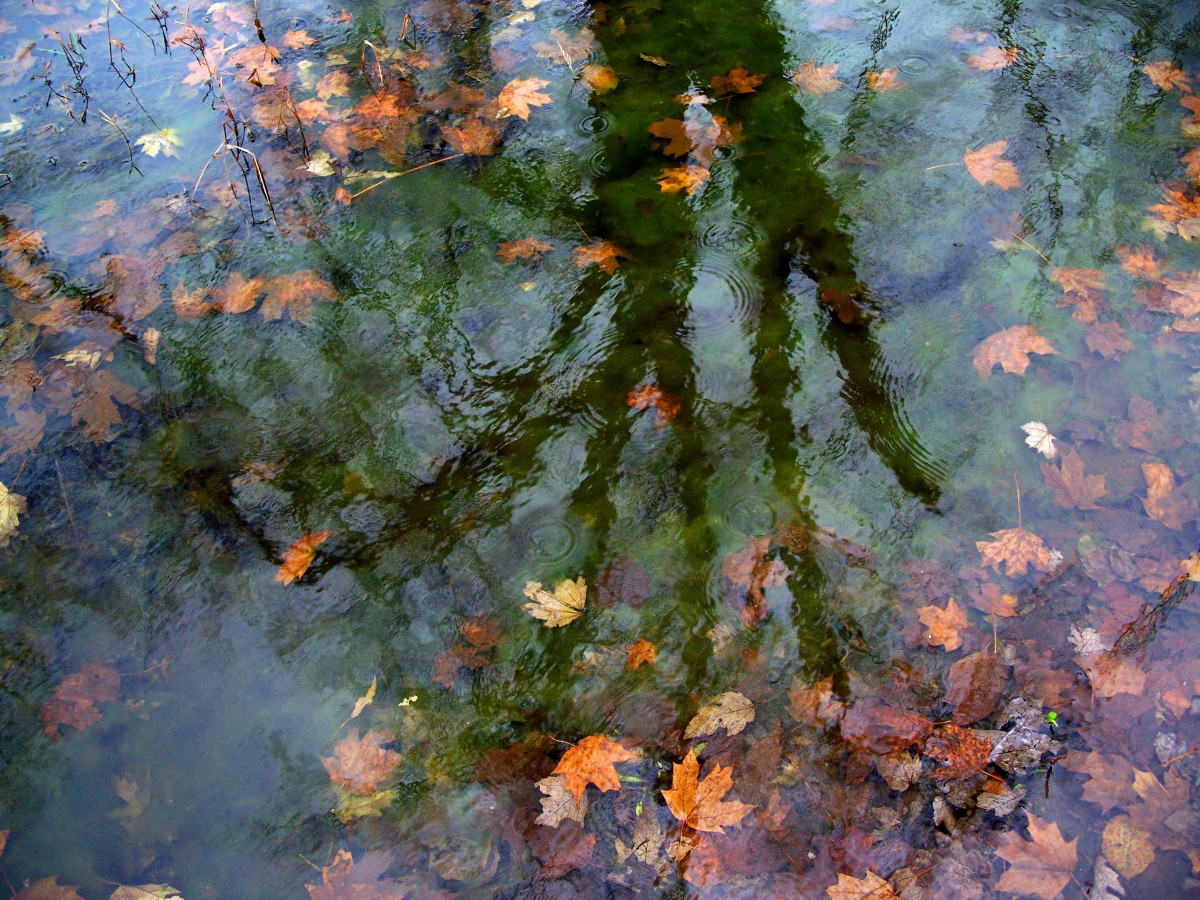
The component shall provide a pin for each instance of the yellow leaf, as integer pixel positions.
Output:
(365, 700)
(562, 607)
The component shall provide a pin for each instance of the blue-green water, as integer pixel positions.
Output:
(258, 286)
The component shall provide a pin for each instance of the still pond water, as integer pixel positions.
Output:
(327, 331)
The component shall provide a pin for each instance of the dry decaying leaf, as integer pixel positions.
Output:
(1071, 487)
(817, 80)
(698, 803)
(731, 711)
(525, 248)
(1164, 502)
(816, 706)
(1039, 438)
(652, 396)
(603, 253)
(1166, 75)
(591, 761)
(11, 507)
(643, 652)
(959, 752)
(517, 96)
(688, 177)
(993, 58)
(559, 803)
(562, 607)
(300, 555)
(48, 889)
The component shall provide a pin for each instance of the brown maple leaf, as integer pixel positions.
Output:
(190, 304)
(1164, 502)
(1071, 487)
(885, 81)
(1010, 350)
(749, 572)
(1110, 675)
(987, 166)
(564, 49)
(603, 253)
(1146, 429)
(591, 760)
(1109, 779)
(1141, 263)
(481, 634)
(992, 58)
(738, 81)
(872, 887)
(1041, 866)
(300, 555)
(958, 752)
(334, 84)
(600, 79)
(688, 177)
(696, 137)
(1108, 339)
(475, 137)
(561, 849)
(698, 803)
(296, 294)
(360, 764)
(817, 80)
(48, 889)
(652, 396)
(344, 878)
(75, 698)
(1165, 76)
(95, 406)
(641, 653)
(944, 625)
(524, 248)
(518, 95)
(816, 706)
(1185, 290)
(1018, 549)
(875, 727)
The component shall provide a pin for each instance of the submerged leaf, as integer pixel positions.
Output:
(698, 803)
(1010, 350)
(517, 96)
(731, 711)
(987, 166)
(1041, 866)
(300, 556)
(591, 761)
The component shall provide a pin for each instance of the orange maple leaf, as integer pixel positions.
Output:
(945, 625)
(603, 253)
(524, 248)
(887, 80)
(600, 79)
(518, 95)
(959, 752)
(817, 80)
(652, 396)
(237, 295)
(564, 49)
(360, 764)
(1010, 350)
(987, 166)
(641, 653)
(1041, 866)
(334, 84)
(1165, 76)
(677, 179)
(698, 803)
(1018, 549)
(475, 137)
(696, 137)
(300, 556)
(1142, 263)
(591, 760)
(1108, 339)
(738, 81)
(993, 58)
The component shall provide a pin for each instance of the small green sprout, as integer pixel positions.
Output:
(1052, 719)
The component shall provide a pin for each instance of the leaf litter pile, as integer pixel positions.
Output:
(1009, 707)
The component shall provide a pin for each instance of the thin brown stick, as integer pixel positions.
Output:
(943, 165)
(1031, 247)
(405, 172)
(1018, 486)
(63, 487)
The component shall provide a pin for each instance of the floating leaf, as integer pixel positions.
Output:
(698, 803)
(560, 608)
(992, 58)
(1039, 438)
(591, 762)
(641, 653)
(738, 81)
(603, 253)
(300, 555)
(519, 95)
(559, 803)
(870, 888)
(688, 177)
(1166, 76)
(12, 506)
(885, 81)
(817, 80)
(524, 248)
(164, 141)
(653, 397)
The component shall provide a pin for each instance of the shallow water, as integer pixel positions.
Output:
(258, 289)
